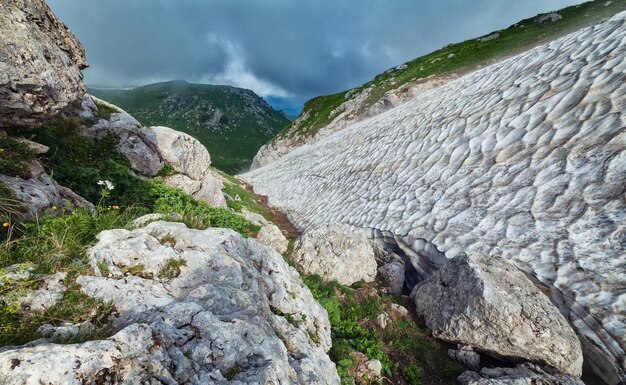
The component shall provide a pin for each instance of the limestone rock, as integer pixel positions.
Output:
(524, 374)
(548, 18)
(222, 315)
(335, 252)
(75, 200)
(37, 193)
(208, 189)
(269, 235)
(183, 152)
(524, 158)
(41, 79)
(51, 291)
(487, 303)
(466, 356)
(489, 37)
(149, 149)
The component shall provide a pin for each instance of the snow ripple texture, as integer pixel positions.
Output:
(525, 158)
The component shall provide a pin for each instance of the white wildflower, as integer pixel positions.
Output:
(107, 184)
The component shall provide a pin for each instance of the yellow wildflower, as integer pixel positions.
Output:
(53, 207)
(116, 207)
(6, 224)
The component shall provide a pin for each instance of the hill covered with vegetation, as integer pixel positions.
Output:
(231, 122)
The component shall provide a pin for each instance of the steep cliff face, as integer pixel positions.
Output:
(40, 63)
(525, 158)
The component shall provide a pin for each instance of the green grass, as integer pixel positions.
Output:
(58, 240)
(104, 110)
(172, 267)
(232, 141)
(467, 55)
(408, 353)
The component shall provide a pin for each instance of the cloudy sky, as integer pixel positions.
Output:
(288, 48)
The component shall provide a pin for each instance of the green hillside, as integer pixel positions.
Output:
(231, 122)
(456, 57)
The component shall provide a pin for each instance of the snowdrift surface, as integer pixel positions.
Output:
(525, 158)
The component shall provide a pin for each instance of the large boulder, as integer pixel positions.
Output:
(269, 234)
(336, 252)
(40, 64)
(196, 306)
(485, 302)
(150, 149)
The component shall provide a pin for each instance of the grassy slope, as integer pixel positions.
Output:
(187, 107)
(467, 55)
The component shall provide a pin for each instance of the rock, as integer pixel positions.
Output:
(397, 311)
(335, 252)
(181, 151)
(382, 320)
(487, 303)
(65, 331)
(493, 36)
(524, 374)
(37, 193)
(548, 18)
(75, 200)
(208, 190)
(149, 149)
(143, 221)
(392, 276)
(34, 146)
(269, 235)
(49, 293)
(523, 157)
(222, 318)
(373, 368)
(466, 356)
(40, 80)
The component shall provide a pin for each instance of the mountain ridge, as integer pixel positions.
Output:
(231, 122)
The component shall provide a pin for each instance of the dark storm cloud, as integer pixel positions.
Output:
(294, 48)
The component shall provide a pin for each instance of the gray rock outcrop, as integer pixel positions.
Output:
(149, 149)
(269, 234)
(40, 64)
(524, 374)
(220, 317)
(335, 252)
(485, 302)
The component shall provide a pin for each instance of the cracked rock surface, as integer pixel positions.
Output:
(525, 158)
(485, 302)
(221, 320)
(40, 64)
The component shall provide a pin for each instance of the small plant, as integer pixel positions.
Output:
(171, 269)
(104, 110)
(133, 270)
(289, 317)
(167, 239)
(412, 374)
(166, 170)
(231, 373)
(104, 268)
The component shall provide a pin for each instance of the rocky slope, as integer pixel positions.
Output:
(218, 320)
(524, 158)
(40, 76)
(231, 122)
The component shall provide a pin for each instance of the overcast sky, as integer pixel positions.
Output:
(288, 48)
